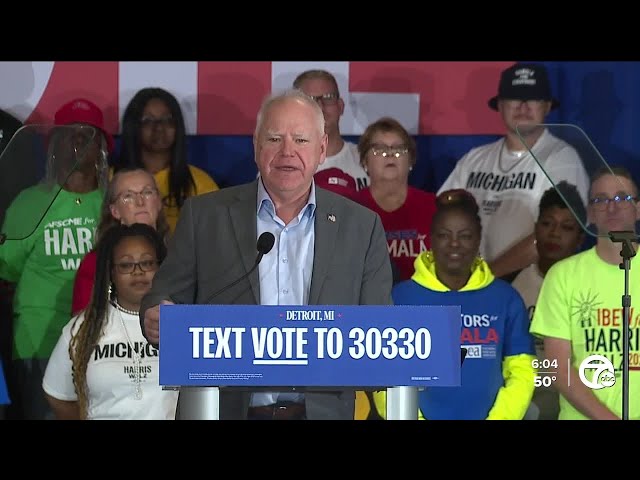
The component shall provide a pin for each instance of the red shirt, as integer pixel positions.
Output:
(408, 228)
(83, 284)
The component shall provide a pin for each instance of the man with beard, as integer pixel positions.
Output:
(506, 179)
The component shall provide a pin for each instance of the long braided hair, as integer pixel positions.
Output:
(87, 336)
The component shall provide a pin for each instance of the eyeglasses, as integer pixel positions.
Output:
(125, 268)
(386, 151)
(621, 201)
(326, 99)
(149, 122)
(129, 197)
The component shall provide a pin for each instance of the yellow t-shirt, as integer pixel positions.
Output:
(204, 184)
(580, 301)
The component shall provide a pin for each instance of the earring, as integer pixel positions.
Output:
(110, 290)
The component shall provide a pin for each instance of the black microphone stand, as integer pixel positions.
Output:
(627, 253)
(264, 246)
(227, 287)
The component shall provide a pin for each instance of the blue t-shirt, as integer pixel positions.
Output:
(494, 325)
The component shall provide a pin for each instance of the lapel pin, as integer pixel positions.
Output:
(331, 217)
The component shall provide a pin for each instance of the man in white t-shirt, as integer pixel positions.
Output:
(322, 86)
(506, 180)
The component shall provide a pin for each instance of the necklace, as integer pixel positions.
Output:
(137, 358)
(125, 310)
(515, 164)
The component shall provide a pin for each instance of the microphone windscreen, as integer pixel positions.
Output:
(265, 242)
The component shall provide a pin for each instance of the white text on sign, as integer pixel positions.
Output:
(288, 345)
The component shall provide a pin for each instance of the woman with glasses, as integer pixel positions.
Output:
(497, 377)
(131, 197)
(102, 367)
(388, 153)
(154, 138)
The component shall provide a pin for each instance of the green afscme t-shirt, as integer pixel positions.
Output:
(44, 264)
(581, 301)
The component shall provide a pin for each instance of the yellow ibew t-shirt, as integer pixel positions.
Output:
(580, 301)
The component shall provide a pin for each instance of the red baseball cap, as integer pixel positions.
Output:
(84, 111)
(336, 180)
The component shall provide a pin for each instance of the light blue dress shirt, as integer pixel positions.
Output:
(285, 272)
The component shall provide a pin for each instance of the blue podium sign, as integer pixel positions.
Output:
(309, 346)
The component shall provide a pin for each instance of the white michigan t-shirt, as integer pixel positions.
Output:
(111, 375)
(508, 189)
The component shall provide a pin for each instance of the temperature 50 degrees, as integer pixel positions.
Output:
(543, 380)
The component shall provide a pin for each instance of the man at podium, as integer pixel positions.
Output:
(314, 248)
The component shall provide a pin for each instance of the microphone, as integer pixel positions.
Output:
(264, 246)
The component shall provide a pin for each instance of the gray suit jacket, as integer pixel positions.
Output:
(215, 243)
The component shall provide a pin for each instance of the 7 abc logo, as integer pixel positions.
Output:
(603, 375)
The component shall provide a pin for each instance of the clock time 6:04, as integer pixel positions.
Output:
(545, 363)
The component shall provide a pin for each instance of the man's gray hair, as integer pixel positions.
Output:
(283, 96)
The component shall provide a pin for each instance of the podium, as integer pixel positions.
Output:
(206, 349)
(203, 403)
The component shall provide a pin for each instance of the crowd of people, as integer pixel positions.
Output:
(130, 228)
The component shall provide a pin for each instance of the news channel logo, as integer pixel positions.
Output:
(603, 375)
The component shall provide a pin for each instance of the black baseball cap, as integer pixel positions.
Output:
(524, 81)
